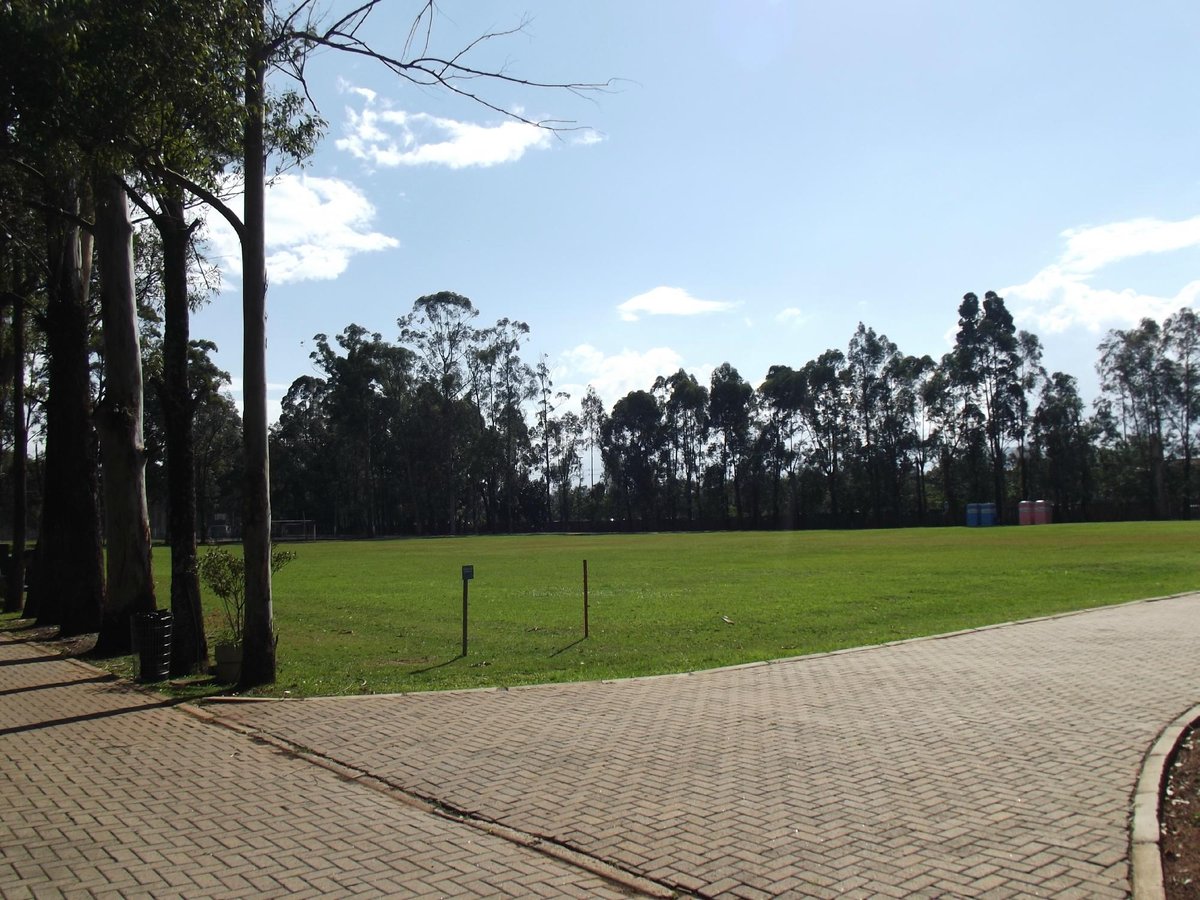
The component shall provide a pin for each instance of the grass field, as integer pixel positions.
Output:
(384, 616)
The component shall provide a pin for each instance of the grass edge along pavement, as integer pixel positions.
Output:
(385, 616)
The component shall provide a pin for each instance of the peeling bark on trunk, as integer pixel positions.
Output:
(119, 421)
(68, 588)
(189, 648)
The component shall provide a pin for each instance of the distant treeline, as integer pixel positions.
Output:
(450, 431)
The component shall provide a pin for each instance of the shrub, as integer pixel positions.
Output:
(225, 575)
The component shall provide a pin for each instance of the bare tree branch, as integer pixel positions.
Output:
(425, 70)
(426, 15)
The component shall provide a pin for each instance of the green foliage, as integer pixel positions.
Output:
(224, 574)
(385, 616)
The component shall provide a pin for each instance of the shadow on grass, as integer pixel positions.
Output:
(574, 643)
(440, 665)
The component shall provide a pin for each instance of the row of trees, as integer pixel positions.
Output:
(449, 430)
(108, 103)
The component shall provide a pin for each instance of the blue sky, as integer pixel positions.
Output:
(763, 176)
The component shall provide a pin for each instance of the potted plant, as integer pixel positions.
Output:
(224, 574)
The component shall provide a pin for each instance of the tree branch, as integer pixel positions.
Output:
(425, 70)
(200, 191)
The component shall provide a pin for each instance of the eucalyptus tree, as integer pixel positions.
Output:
(632, 442)
(986, 361)
(548, 401)
(20, 267)
(1138, 374)
(730, 411)
(217, 433)
(685, 413)
(1182, 334)
(280, 36)
(1062, 440)
(171, 103)
(119, 417)
(178, 83)
(566, 436)
(869, 393)
(304, 475)
(502, 384)
(593, 414)
(1031, 375)
(440, 333)
(101, 86)
(825, 417)
(45, 82)
(784, 393)
(353, 380)
(592, 418)
(945, 432)
(903, 425)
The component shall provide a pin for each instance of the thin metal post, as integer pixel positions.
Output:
(464, 647)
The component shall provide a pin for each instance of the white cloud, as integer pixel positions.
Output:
(1092, 248)
(275, 392)
(393, 137)
(615, 375)
(314, 226)
(792, 315)
(587, 137)
(669, 301)
(1064, 294)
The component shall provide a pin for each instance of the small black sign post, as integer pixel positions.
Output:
(468, 572)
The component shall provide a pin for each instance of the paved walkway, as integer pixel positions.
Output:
(994, 763)
(107, 791)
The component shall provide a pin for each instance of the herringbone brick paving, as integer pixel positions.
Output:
(996, 763)
(106, 791)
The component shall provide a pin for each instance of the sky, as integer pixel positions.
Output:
(759, 177)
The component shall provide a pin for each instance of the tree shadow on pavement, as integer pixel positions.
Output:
(57, 684)
(90, 717)
(58, 657)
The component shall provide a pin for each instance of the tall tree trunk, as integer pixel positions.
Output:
(68, 587)
(119, 422)
(998, 485)
(1158, 482)
(189, 648)
(258, 657)
(15, 587)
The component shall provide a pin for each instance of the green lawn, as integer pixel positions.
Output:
(383, 616)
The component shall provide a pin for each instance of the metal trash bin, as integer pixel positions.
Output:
(152, 645)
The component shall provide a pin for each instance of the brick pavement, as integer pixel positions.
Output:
(106, 790)
(995, 763)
